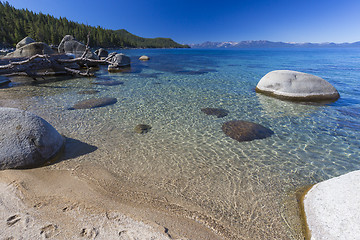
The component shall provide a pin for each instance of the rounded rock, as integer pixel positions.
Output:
(144, 58)
(297, 86)
(332, 208)
(245, 131)
(119, 61)
(26, 139)
(101, 53)
(218, 112)
(94, 103)
(142, 128)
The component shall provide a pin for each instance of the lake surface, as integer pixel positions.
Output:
(243, 190)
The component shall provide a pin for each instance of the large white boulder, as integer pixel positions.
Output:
(26, 140)
(332, 208)
(294, 85)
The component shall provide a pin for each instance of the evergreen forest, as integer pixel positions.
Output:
(15, 24)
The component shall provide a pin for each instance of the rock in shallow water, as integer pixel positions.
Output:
(219, 112)
(296, 86)
(332, 208)
(92, 91)
(26, 140)
(142, 128)
(94, 103)
(245, 131)
(109, 83)
(144, 58)
(118, 62)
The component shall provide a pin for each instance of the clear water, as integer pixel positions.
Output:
(244, 190)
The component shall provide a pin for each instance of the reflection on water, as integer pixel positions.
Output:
(244, 190)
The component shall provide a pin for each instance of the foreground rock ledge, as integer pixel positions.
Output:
(296, 86)
(26, 140)
(332, 208)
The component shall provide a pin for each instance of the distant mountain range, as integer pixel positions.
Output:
(269, 44)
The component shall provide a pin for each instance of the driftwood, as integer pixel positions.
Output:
(49, 65)
(41, 65)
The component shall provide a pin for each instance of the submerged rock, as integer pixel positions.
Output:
(109, 83)
(219, 112)
(332, 208)
(297, 86)
(94, 103)
(24, 42)
(26, 140)
(245, 131)
(142, 128)
(30, 49)
(88, 91)
(144, 58)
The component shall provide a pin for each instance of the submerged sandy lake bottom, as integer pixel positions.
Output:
(244, 190)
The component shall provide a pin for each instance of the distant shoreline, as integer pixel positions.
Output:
(270, 44)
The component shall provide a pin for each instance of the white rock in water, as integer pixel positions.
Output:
(144, 58)
(26, 140)
(332, 208)
(294, 85)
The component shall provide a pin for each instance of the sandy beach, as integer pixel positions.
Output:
(62, 204)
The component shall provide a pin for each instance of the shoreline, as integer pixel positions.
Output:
(62, 203)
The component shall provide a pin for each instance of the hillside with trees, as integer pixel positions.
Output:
(15, 24)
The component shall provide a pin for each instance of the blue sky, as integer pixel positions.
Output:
(197, 21)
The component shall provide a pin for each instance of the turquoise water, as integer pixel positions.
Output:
(246, 188)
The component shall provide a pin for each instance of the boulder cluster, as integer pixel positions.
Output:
(71, 48)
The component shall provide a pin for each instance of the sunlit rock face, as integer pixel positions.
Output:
(296, 86)
(332, 208)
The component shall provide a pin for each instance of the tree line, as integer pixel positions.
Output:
(15, 24)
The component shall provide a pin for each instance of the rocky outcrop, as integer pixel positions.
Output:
(144, 58)
(94, 103)
(245, 131)
(218, 112)
(298, 86)
(24, 42)
(332, 208)
(142, 128)
(70, 46)
(31, 49)
(118, 62)
(26, 140)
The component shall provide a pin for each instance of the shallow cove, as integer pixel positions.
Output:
(186, 165)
